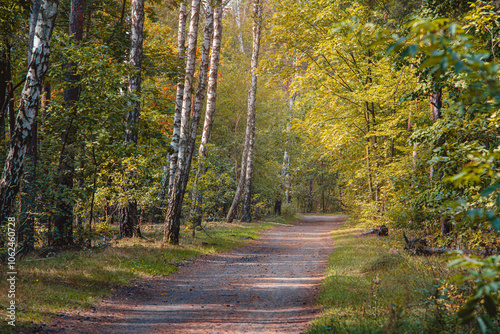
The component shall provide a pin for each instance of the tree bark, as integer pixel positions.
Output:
(210, 109)
(3, 91)
(63, 223)
(157, 211)
(129, 224)
(174, 209)
(436, 103)
(212, 79)
(35, 10)
(238, 23)
(181, 46)
(13, 169)
(252, 96)
(26, 234)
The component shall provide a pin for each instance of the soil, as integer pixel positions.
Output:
(267, 286)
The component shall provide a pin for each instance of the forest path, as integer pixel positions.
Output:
(268, 286)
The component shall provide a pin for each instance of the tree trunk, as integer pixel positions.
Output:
(212, 79)
(10, 91)
(248, 151)
(63, 223)
(26, 237)
(181, 45)
(35, 10)
(210, 109)
(3, 91)
(285, 177)
(13, 169)
(238, 23)
(310, 200)
(157, 211)
(129, 225)
(436, 103)
(174, 209)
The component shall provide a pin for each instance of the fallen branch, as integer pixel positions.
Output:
(381, 231)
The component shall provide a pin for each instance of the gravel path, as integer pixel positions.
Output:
(268, 286)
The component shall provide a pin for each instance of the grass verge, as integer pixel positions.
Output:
(74, 280)
(371, 286)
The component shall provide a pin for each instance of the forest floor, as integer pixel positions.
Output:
(268, 286)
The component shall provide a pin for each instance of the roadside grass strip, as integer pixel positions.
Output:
(77, 280)
(373, 286)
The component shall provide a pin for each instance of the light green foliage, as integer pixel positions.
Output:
(483, 275)
(350, 108)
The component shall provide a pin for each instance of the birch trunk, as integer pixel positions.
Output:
(129, 224)
(181, 45)
(13, 168)
(252, 96)
(212, 79)
(174, 209)
(35, 10)
(202, 87)
(238, 23)
(26, 233)
(210, 109)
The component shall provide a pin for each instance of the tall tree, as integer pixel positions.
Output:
(129, 225)
(248, 151)
(176, 193)
(211, 103)
(26, 236)
(13, 169)
(181, 53)
(63, 222)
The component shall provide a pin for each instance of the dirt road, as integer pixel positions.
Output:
(268, 286)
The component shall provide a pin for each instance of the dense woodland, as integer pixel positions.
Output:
(124, 113)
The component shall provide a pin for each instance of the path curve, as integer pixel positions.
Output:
(268, 286)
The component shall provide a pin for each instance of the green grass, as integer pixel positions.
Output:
(78, 280)
(373, 286)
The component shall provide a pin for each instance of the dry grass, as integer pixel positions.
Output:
(79, 279)
(372, 286)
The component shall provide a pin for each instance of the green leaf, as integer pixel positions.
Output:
(465, 312)
(496, 223)
(482, 325)
(490, 306)
(459, 66)
(490, 189)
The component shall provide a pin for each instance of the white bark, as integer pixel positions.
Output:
(129, 223)
(134, 81)
(238, 23)
(201, 91)
(13, 169)
(172, 222)
(212, 79)
(181, 46)
(246, 175)
(35, 10)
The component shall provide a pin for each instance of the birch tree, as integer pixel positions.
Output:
(176, 193)
(245, 182)
(129, 225)
(13, 168)
(211, 102)
(181, 53)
